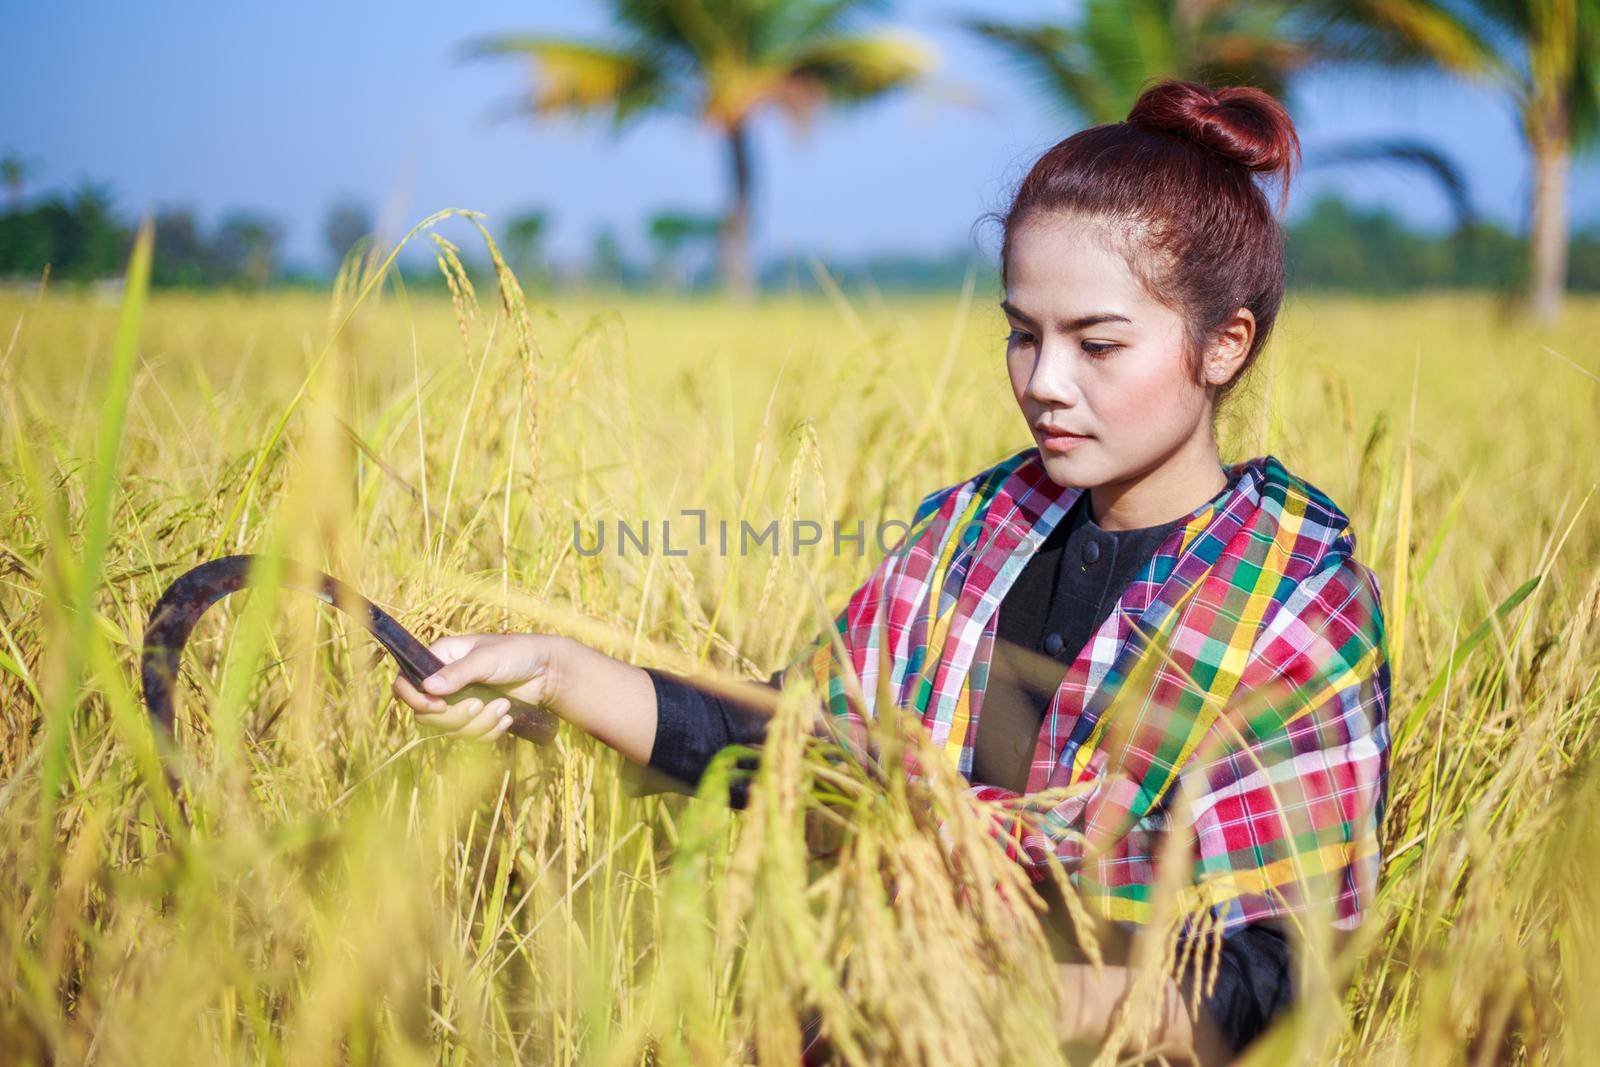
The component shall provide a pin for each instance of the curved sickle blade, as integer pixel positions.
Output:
(187, 598)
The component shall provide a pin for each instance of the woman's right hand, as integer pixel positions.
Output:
(523, 666)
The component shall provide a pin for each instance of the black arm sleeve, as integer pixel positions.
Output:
(692, 726)
(1255, 976)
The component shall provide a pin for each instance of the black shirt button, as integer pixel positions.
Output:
(1091, 551)
(1054, 644)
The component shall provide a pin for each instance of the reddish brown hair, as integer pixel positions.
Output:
(1176, 181)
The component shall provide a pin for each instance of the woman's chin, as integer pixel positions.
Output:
(1071, 471)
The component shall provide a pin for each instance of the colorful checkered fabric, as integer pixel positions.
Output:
(1238, 692)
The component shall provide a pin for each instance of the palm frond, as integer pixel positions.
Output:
(773, 28)
(1414, 154)
(1097, 66)
(1409, 33)
(1052, 56)
(576, 77)
(1586, 78)
(854, 69)
(1258, 44)
(749, 33)
(1265, 62)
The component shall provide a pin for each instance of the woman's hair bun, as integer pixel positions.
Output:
(1239, 123)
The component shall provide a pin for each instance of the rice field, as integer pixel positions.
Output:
(340, 887)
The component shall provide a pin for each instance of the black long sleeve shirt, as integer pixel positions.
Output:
(1064, 593)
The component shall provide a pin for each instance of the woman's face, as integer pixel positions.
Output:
(1096, 363)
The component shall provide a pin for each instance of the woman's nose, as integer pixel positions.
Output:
(1053, 381)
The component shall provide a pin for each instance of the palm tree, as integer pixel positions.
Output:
(1544, 55)
(722, 61)
(1096, 68)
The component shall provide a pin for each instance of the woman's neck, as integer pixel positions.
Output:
(1179, 485)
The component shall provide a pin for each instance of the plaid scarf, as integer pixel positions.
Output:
(1244, 669)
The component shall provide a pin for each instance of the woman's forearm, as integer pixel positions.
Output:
(617, 703)
(606, 698)
(1089, 1003)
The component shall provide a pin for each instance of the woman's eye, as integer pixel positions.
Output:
(1099, 349)
(1021, 337)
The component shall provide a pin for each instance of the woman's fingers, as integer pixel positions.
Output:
(500, 728)
(471, 719)
(454, 716)
(418, 702)
(514, 664)
(486, 720)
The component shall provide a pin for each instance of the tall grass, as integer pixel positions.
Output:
(349, 890)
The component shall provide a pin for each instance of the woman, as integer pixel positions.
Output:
(1112, 634)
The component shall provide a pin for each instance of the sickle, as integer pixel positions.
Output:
(187, 598)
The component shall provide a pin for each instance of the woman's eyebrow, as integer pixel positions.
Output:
(1082, 322)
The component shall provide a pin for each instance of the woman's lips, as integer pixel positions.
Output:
(1057, 441)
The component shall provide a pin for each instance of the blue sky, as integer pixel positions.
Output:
(285, 107)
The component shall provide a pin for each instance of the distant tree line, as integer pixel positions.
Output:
(1339, 246)
(80, 237)
(1335, 245)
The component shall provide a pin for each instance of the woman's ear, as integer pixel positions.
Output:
(1229, 347)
